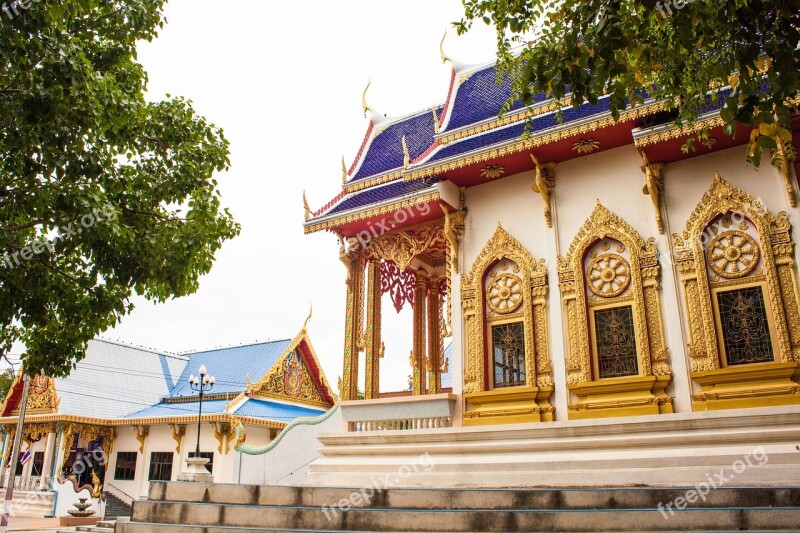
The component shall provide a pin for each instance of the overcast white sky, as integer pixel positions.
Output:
(284, 80)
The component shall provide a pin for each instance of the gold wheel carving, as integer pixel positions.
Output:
(608, 275)
(732, 254)
(505, 294)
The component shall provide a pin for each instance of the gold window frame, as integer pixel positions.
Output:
(614, 304)
(746, 283)
(643, 393)
(776, 248)
(503, 245)
(747, 385)
(515, 318)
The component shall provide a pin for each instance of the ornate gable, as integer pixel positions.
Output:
(42, 396)
(296, 377)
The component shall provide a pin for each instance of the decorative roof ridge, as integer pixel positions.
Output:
(367, 138)
(335, 200)
(461, 73)
(197, 352)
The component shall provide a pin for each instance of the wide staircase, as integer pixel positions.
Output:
(116, 508)
(219, 508)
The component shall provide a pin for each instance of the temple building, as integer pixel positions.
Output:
(615, 302)
(129, 415)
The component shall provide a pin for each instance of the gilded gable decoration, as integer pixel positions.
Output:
(609, 283)
(504, 301)
(289, 379)
(741, 295)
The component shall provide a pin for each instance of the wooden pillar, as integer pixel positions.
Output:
(372, 335)
(435, 347)
(418, 355)
(352, 326)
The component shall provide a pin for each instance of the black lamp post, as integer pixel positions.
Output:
(201, 384)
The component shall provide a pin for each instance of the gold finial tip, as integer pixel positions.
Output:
(441, 48)
(310, 312)
(364, 97)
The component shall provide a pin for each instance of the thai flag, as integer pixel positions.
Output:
(25, 458)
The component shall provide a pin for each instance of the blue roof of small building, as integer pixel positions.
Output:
(280, 412)
(164, 409)
(115, 379)
(385, 152)
(230, 366)
(376, 195)
(255, 408)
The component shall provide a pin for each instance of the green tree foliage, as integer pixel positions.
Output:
(675, 50)
(6, 378)
(102, 193)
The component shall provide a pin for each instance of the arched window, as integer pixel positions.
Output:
(617, 361)
(508, 357)
(740, 289)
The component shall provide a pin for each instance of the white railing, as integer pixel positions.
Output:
(399, 425)
(28, 483)
(406, 413)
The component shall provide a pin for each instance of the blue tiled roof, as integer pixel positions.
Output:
(230, 366)
(447, 379)
(386, 150)
(395, 189)
(538, 124)
(180, 409)
(480, 97)
(280, 412)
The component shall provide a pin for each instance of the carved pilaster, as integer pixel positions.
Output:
(472, 328)
(372, 333)
(435, 342)
(577, 371)
(783, 252)
(353, 326)
(544, 366)
(418, 359)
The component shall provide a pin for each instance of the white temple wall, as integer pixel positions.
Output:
(615, 178)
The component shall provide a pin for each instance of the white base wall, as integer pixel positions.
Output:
(748, 447)
(288, 462)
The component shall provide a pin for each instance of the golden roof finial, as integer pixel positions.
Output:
(441, 49)
(364, 99)
(406, 155)
(344, 171)
(305, 206)
(435, 119)
(310, 312)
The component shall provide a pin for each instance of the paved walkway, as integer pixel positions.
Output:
(34, 524)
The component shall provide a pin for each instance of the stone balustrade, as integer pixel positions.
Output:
(400, 413)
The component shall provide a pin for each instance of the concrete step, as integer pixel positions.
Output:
(94, 529)
(465, 499)
(208, 508)
(208, 518)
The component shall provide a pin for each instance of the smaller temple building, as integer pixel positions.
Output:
(127, 415)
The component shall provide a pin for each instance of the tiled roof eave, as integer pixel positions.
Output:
(510, 118)
(361, 213)
(663, 132)
(547, 136)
